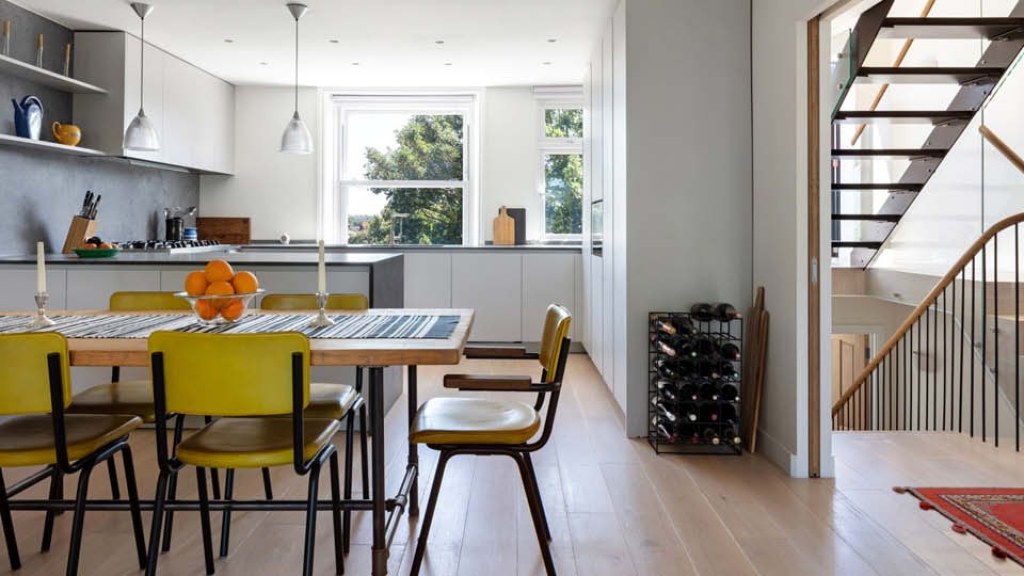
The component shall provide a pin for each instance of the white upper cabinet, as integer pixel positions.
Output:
(192, 111)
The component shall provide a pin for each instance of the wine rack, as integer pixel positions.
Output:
(694, 382)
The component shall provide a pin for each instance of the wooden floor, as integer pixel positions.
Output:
(615, 509)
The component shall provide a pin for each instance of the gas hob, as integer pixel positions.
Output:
(174, 246)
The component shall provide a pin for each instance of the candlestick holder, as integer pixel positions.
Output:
(321, 320)
(41, 320)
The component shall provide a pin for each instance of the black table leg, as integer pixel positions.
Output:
(380, 547)
(414, 453)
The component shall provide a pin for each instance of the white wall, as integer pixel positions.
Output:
(277, 191)
(280, 191)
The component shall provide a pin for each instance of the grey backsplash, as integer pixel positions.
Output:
(40, 191)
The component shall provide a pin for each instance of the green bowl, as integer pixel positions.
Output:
(96, 252)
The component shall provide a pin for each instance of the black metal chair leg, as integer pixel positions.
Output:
(339, 549)
(172, 490)
(535, 512)
(536, 494)
(350, 425)
(214, 474)
(225, 526)
(157, 522)
(314, 484)
(364, 453)
(115, 487)
(56, 493)
(204, 515)
(268, 488)
(78, 522)
(133, 501)
(428, 516)
(8, 525)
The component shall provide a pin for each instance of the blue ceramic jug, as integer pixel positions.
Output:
(28, 117)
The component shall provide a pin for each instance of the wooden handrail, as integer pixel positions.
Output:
(899, 62)
(923, 307)
(1003, 147)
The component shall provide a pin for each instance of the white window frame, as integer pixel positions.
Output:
(549, 98)
(334, 199)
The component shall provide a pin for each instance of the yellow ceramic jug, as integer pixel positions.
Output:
(67, 134)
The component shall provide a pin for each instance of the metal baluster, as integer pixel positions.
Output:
(984, 341)
(995, 337)
(934, 356)
(974, 320)
(1016, 334)
(945, 358)
(908, 362)
(928, 352)
(963, 335)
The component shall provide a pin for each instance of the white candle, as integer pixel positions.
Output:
(321, 272)
(40, 268)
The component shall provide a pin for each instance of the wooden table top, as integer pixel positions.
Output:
(324, 351)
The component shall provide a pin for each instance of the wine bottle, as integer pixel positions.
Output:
(684, 325)
(727, 413)
(666, 390)
(729, 393)
(709, 413)
(727, 350)
(685, 366)
(708, 391)
(689, 412)
(689, 433)
(702, 312)
(665, 348)
(663, 410)
(664, 325)
(663, 432)
(704, 346)
(688, 391)
(732, 436)
(726, 312)
(665, 369)
(726, 371)
(711, 437)
(706, 368)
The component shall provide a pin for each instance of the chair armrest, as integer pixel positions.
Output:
(502, 352)
(497, 383)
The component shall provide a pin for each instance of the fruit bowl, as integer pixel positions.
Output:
(96, 252)
(220, 308)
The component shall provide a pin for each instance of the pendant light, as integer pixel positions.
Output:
(140, 134)
(296, 138)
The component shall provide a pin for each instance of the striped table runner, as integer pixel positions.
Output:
(369, 326)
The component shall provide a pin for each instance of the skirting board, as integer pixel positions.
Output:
(778, 454)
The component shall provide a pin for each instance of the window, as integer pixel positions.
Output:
(561, 159)
(401, 170)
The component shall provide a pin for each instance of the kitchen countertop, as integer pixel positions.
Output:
(255, 258)
(361, 248)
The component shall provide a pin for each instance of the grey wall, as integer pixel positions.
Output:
(40, 191)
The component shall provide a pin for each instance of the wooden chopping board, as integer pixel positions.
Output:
(224, 230)
(504, 229)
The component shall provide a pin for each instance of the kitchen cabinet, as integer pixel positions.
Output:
(547, 279)
(428, 280)
(192, 111)
(91, 289)
(491, 284)
(19, 288)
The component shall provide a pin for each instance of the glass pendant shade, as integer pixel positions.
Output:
(296, 138)
(141, 135)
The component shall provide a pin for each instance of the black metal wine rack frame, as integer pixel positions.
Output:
(719, 330)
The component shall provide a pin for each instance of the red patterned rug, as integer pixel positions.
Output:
(994, 515)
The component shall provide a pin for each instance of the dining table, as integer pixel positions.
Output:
(373, 339)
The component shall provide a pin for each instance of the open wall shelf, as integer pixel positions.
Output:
(42, 76)
(8, 140)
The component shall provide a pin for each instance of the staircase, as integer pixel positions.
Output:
(975, 85)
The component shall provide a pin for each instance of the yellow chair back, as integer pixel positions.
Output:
(556, 328)
(230, 374)
(308, 302)
(147, 302)
(25, 376)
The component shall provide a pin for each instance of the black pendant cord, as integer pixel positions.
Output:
(142, 65)
(296, 65)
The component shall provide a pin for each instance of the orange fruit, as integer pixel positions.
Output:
(233, 310)
(219, 271)
(219, 289)
(205, 310)
(195, 283)
(245, 283)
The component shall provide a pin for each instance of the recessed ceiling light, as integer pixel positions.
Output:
(552, 40)
(229, 41)
(438, 42)
(263, 63)
(447, 63)
(333, 40)
(546, 63)
(355, 63)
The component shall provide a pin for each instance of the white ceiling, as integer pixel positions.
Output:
(394, 42)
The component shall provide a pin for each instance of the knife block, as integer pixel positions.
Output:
(81, 229)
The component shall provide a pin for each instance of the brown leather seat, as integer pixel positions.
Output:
(28, 440)
(474, 421)
(253, 442)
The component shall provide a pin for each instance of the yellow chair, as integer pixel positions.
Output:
(337, 401)
(35, 388)
(250, 381)
(485, 427)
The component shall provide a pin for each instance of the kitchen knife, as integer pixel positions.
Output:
(95, 207)
(84, 213)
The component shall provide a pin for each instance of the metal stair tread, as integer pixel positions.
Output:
(903, 116)
(950, 28)
(851, 153)
(867, 217)
(928, 74)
